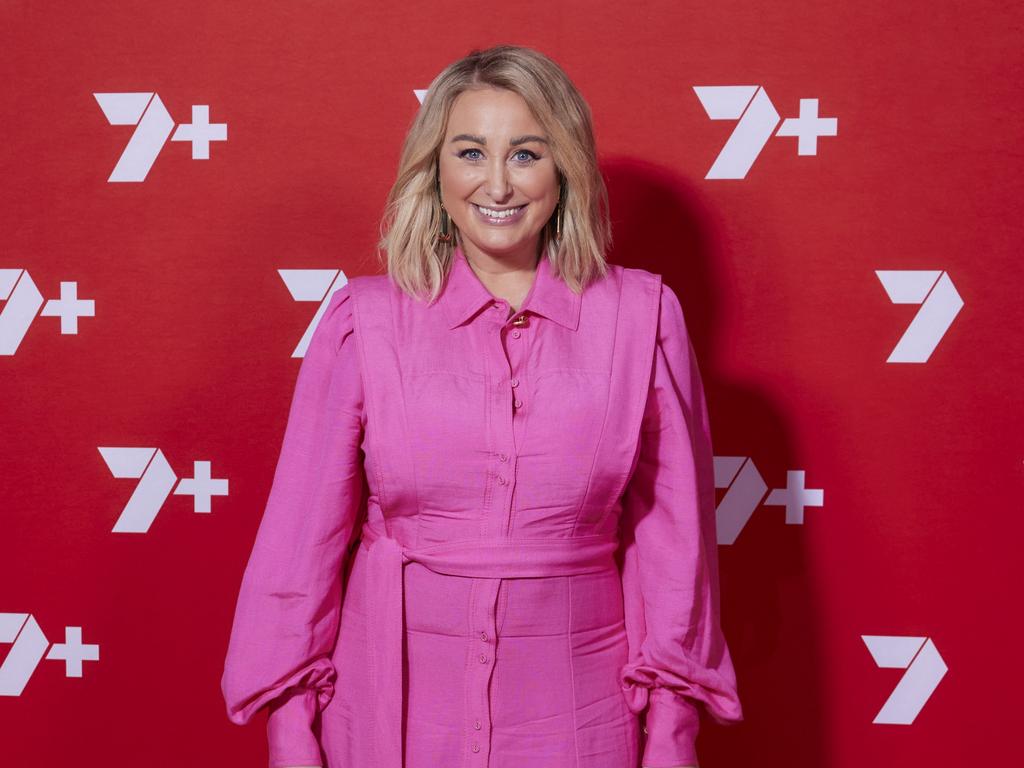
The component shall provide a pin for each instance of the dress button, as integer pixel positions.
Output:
(518, 403)
(476, 724)
(502, 457)
(515, 382)
(476, 747)
(501, 480)
(483, 636)
(516, 334)
(483, 658)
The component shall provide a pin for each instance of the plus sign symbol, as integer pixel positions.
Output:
(28, 648)
(23, 301)
(794, 497)
(157, 482)
(745, 490)
(757, 121)
(153, 127)
(202, 487)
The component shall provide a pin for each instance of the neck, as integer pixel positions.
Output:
(506, 277)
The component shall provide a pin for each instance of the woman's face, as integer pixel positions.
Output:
(495, 157)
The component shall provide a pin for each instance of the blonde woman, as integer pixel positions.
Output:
(490, 538)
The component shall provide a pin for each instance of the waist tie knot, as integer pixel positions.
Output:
(492, 559)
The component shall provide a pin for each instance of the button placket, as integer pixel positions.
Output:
(483, 614)
(510, 397)
(517, 402)
(506, 479)
(505, 359)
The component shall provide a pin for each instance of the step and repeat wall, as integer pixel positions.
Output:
(832, 189)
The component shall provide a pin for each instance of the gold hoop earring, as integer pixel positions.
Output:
(446, 235)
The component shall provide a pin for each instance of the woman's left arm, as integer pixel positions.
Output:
(678, 655)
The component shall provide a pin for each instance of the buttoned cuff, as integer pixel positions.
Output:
(672, 724)
(290, 729)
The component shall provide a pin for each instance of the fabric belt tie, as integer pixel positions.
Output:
(490, 559)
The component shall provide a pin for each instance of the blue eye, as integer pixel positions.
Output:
(532, 155)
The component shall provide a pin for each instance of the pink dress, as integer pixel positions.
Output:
(490, 541)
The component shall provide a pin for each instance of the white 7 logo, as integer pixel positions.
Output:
(925, 668)
(312, 285)
(940, 304)
(757, 118)
(153, 124)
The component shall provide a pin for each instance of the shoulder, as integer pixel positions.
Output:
(365, 289)
(634, 279)
(371, 282)
(644, 290)
(645, 283)
(654, 282)
(357, 290)
(337, 322)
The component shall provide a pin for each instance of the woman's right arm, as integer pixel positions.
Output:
(289, 603)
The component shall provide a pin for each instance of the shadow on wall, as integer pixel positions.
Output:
(663, 223)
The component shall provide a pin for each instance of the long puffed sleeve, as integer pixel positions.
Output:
(677, 653)
(289, 604)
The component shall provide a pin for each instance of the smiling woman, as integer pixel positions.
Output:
(500, 160)
(490, 541)
(498, 180)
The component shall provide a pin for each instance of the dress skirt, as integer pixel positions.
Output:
(548, 678)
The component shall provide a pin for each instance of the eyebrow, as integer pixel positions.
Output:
(515, 141)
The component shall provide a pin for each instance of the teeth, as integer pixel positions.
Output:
(498, 214)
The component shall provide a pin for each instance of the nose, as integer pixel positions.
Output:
(497, 184)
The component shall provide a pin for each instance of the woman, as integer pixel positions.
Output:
(490, 539)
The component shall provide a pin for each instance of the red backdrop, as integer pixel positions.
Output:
(854, 299)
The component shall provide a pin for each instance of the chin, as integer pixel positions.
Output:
(502, 243)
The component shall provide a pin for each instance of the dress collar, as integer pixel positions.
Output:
(549, 296)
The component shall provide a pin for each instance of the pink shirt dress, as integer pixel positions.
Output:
(490, 540)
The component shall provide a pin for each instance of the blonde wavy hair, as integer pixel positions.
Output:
(417, 260)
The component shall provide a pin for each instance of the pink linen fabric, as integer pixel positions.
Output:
(490, 540)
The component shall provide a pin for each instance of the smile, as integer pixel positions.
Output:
(499, 217)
